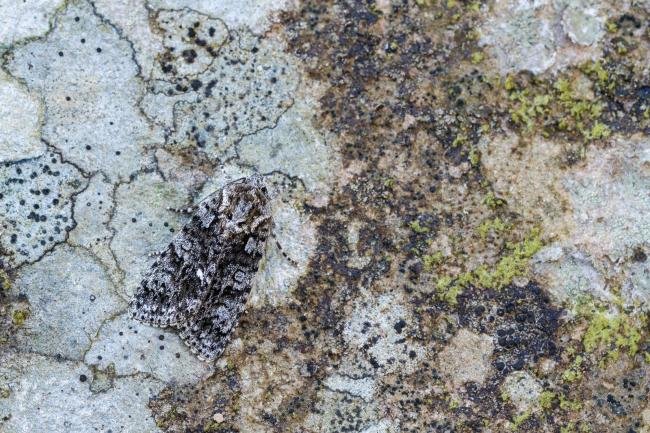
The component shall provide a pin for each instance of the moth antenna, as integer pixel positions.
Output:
(183, 210)
(289, 259)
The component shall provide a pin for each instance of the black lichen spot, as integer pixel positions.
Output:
(196, 84)
(189, 55)
(83, 378)
(521, 319)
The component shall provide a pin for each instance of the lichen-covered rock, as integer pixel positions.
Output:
(36, 197)
(459, 203)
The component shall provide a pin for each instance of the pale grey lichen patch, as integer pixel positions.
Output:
(519, 39)
(48, 395)
(278, 274)
(583, 21)
(296, 148)
(611, 215)
(25, 19)
(356, 260)
(340, 411)
(191, 42)
(36, 205)
(569, 275)
(93, 210)
(363, 387)
(377, 333)
(466, 358)
(523, 35)
(20, 120)
(255, 15)
(70, 295)
(636, 289)
(523, 391)
(85, 72)
(246, 89)
(142, 223)
(132, 19)
(132, 348)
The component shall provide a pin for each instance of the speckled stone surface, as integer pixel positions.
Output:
(460, 197)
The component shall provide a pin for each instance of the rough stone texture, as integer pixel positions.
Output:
(459, 196)
(63, 285)
(466, 358)
(25, 19)
(85, 74)
(523, 390)
(20, 114)
(36, 202)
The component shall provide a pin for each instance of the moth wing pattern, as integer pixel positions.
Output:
(176, 283)
(200, 282)
(208, 334)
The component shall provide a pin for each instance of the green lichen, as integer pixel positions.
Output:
(477, 57)
(598, 131)
(528, 107)
(596, 69)
(546, 399)
(613, 333)
(492, 201)
(514, 264)
(495, 226)
(574, 372)
(545, 105)
(19, 317)
(569, 405)
(417, 228)
(432, 260)
(5, 282)
(459, 140)
(447, 291)
(518, 420)
(474, 157)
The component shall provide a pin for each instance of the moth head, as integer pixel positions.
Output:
(245, 206)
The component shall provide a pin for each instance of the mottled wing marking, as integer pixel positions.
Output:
(170, 292)
(200, 282)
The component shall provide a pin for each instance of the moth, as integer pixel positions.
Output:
(200, 282)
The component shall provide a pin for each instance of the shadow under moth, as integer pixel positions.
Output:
(199, 283)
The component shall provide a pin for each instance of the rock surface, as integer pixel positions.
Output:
(460, 197)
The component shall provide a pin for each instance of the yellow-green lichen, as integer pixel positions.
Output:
(474, 157)
(477, 57)
(568, 107)
(492, 201)
(569, 405)
(613, 333)
(417, 228)
(574, 372)
(459, 140)
(598, 131)
(19, 317)
(5, 282)
(447, 291)
(518, 420)
(546, 399)
(513, 264)
(432, 260)
(495, 226)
